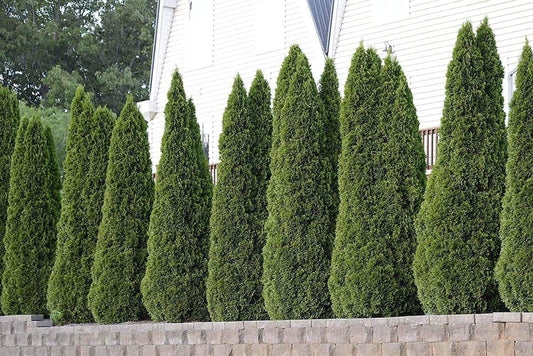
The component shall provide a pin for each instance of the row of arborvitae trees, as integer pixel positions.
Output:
(92, 268)
(395, 251)
(380, 182)
(314, 213)
(106, 203)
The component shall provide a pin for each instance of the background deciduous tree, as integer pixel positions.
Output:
(104, 45)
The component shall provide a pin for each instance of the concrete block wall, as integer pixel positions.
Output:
(481, 334)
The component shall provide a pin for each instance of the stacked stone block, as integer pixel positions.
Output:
(481, 334)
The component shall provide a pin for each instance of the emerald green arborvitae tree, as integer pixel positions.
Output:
(458, 224)
(9, 121)
(360, 264)
(174, 286)
(331, 100)
(9, 301)
(120, 256)
(400, 188)
(514, 270)
(32, 216)
(299, 236)
(239, 205)
(70, 279)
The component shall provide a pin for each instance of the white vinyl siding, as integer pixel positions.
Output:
(235, 50)
(424, 40)
(422, 33)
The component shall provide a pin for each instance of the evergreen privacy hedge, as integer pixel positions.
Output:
(9, 121)
(514, 270)
(83, 190)
(120, 255)
(31, 219)
(173, 287)
(299, 232)
(239, 205)
(458, 224)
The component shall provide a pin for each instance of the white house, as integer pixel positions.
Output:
(210, 41)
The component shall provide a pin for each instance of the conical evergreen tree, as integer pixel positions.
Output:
(119, 259)
(239, 205)
(298, 247)
(173, 287)
(457, 227)
(32, 215)
(400, 188)
(514, 270)
(360, 265)
(70, 279)
(331, 101)
(9, 121)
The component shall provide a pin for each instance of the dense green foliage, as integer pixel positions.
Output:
(239, 205)
(85, 168)
(54, 192)
(95, 182)
(360, 266)
(33, 212)
(9, 121)
(381, 182)
(288, 67)
(401, 188)
(105, 45)
(331, 100)
(173, 287)
(299, 230)
(62, 87)
(458, 224)
(514, 270)
(120, 255)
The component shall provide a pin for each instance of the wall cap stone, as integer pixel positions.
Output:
(507, 317)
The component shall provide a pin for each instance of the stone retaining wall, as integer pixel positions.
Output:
(481, 334)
